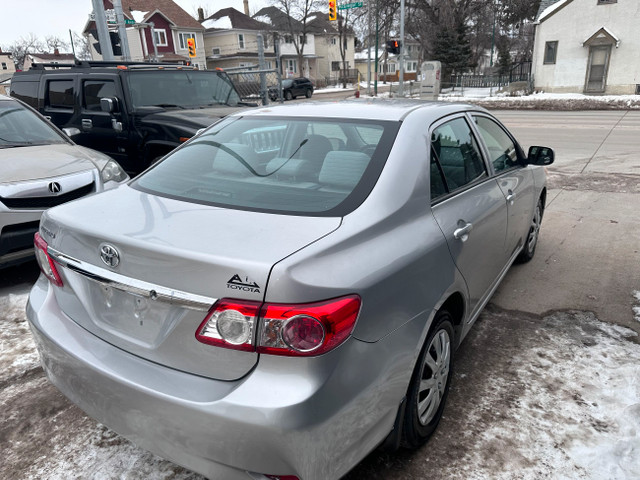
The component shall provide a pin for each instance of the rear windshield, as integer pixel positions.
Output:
(21, 127)
(296, 166)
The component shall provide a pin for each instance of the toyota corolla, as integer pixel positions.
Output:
(286, 291)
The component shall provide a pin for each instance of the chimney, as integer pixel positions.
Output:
(200, 15)
(56, 52)
(246, 8)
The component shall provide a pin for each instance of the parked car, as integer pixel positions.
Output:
(285, 292)
(133, 112)
(292, 88)
(40, 167)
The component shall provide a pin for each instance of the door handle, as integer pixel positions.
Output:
(511, 197)
(48, 117)
(462, 232)
(87, 123)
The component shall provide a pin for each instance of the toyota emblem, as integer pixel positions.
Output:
(109, 255)
(54, 187)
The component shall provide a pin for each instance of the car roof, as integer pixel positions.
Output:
(364, 109)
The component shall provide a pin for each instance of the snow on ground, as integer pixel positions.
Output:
(17, 353)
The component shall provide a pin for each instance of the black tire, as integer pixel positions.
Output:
(531, 242)
(288, 96)
(308, 93)
(421, 414)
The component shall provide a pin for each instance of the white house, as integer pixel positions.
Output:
(587, 46)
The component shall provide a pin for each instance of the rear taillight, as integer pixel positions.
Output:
(291, 330)
(305, 330)
(47, 265)
(230, 324)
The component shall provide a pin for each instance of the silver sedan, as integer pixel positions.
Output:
(286, 291)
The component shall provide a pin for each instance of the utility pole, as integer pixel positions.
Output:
(375, 82)
(369, 48)
(103, 31)
(401, 56)
(122, 30)
(261, 67)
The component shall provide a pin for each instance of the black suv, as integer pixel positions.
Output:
(133, 112)
(292, 88)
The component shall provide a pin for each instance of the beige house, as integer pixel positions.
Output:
(329, 62)
(6, 63)
(587, 46)
(51, 58)
(231, 40)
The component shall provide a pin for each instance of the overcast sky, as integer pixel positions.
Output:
(18, 18)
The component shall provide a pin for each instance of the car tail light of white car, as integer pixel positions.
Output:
(47, 265)
(289, 330)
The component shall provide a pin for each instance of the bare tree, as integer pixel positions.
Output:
(345, 22)
(297, 15)
(81, 47)
(23, 46)
(54, 43)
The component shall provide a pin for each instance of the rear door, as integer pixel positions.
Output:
(514, 179)
(468, 206)
(101, 130)
(59, 99)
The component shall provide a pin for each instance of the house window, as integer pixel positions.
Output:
(4, 66)
(606, 2)
(292, 66)
(215, 51)
(183, 37)
(302, 39)
(161, 37)
(334, 41)
(411, 66)
(288, 39)
(335, 66)
(241, 41)
(550, 53)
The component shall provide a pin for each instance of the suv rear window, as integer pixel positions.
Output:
(296, 166)
(60, 94)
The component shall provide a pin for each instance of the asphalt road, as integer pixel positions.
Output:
(529, 384)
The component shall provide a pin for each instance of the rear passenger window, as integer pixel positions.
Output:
(94, 90)
(502, 150)
(26, 91)
(59, 94)
(457, 152)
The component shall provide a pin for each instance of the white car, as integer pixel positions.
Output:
(40, 167)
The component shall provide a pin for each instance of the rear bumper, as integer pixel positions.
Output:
(312, 418)
(16, 235)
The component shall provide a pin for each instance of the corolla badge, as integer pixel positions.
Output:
(109, 255)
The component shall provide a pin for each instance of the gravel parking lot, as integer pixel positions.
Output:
(545, 385)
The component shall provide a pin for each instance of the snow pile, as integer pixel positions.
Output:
(221, 23)
(18, 355)
(636, 308)
(138, 15)
(551, 8)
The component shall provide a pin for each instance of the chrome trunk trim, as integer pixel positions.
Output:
(132, 285)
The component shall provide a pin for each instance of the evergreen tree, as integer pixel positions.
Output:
(504, 58)
(453, 49)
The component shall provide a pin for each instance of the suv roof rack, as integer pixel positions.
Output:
(103, 64)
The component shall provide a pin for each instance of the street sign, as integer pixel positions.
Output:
(346, 6)
(111, 18)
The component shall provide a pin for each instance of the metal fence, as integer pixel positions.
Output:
(257, 86)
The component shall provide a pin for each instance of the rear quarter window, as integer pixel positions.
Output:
(26, 91)
(60, 94)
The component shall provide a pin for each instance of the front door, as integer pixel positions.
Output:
(597, 69)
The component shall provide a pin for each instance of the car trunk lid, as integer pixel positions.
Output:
(175, 259)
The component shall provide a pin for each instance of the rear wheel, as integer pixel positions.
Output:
(429, 386)
(531, 242)
(308, 93)
(288, 95)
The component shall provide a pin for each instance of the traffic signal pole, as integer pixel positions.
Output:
(122, 30)
(401, 56)
(103, 31)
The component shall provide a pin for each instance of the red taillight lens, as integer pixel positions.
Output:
(47, 266)
(306, 330)
(230, 324)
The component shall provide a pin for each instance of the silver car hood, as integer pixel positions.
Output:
(20, 164)
(169, 245)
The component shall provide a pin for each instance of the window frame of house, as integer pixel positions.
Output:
(242, 45)
(334, 40)
(547, 60)
(158, 33)
(294, 63)
(411, 66)
(335, 66)
(287, 39)
(182, 39)
(607, 2)
(4, 66)
(302, 39)
(215, 51)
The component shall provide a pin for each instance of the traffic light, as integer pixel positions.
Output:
(393, 46)
(333, 10)
(191, 46)
(116, 48)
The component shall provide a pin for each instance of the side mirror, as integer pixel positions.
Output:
(71, 131)
(540, 156)
(109, 105)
